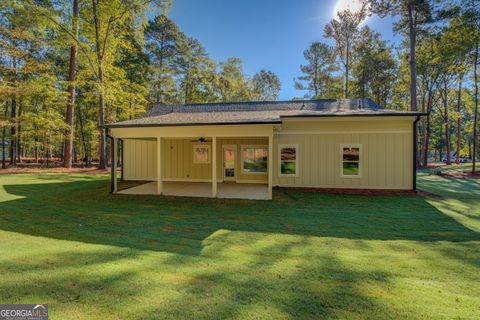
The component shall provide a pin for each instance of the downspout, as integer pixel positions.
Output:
(121, 168)
(112, 187)
(414, 186)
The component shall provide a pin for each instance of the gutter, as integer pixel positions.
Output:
(146, 125)
(112, 186)
(415, 149)
(121, 168)
(416, 114)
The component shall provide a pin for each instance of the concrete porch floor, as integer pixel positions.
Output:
(251, 191)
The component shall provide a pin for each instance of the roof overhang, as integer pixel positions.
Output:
(263, 122)
(146, 125)
(393, 114)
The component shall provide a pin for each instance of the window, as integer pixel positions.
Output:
(288, 159)
(201, 153)
(254, 159)
(351, 155)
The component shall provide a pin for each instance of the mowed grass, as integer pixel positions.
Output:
(65, 241)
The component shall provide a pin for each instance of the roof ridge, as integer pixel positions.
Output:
(251, 102)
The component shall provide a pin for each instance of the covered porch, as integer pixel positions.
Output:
(233, 161)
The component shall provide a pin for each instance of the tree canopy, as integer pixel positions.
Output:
(69, 67)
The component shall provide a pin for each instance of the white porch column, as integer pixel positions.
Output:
(214, 167)
(159, 166)
(114, 164)
(270, 165)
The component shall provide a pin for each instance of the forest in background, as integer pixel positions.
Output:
(68, 67)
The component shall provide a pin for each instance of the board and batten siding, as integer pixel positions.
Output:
(386, 152)
(140, 159)
(178, 161)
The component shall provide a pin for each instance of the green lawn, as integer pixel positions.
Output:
(65, 241)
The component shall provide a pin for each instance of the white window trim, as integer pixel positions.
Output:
(280, 146)
(351, 145)
(209, 153)
(258, 146)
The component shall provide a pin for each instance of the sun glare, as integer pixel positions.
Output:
(352, 5)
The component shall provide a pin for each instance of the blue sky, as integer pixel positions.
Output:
(265, 34)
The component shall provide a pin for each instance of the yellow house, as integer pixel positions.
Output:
(243, 150)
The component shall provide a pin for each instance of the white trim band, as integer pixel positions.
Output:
(342, 132)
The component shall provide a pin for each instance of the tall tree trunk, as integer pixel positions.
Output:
(364, 84)
(4, 142)
(413, 75)
(421, 147)
(459, 121)
(48, 150)
(13, 131)
(89, 158)
(13, 109)
(426, 140)
(101, 94)
(427, 132)
(35, 148)
(413, 72)
(187, 93)
(84, 141)
(13, 115)
(347, 54)
(19, 132)
(447, 127)
(72, 75)
(475, 116)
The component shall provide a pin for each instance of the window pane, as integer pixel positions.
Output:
(288, 154)
(261, 154)
(351, 168)
(351, 154)
(249, 154)
(229, 155)
(255, 159)
(201, 154)
(288, 167)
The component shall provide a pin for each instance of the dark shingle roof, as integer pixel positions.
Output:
(256, 112)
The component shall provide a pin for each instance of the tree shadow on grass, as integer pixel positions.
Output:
(322, 288)
(84, 211)
(443, 185)
(88, 284)
(225, 258)
(70, 269)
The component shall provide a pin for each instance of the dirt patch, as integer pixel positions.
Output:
(365, 192)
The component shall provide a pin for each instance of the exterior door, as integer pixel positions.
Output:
(229, 160)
